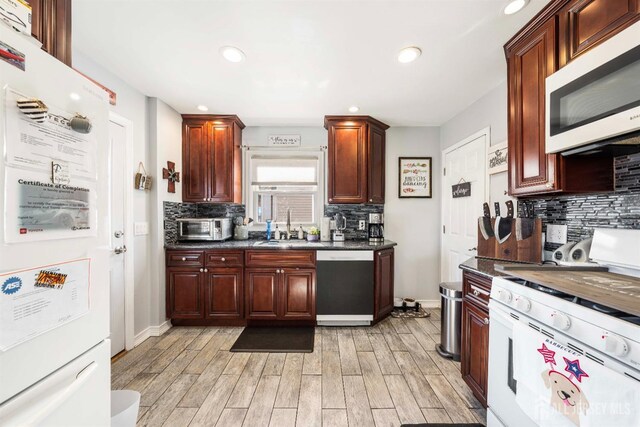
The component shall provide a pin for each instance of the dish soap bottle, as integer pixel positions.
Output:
(300, 233)
(268, 230)
(276, 233)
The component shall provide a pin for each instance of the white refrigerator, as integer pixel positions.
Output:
(54, 244)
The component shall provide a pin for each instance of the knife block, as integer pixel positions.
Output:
(512, 249)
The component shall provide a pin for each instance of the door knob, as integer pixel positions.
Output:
(118, 234)
(120, 249)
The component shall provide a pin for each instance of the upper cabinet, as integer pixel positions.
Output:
(212, 159)
(356, 159)
(561, 32)
(51, 25)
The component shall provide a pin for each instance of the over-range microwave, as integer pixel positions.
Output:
(204, 228)
(593, 103)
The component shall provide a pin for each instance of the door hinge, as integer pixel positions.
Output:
(444, 171)
(443, 230)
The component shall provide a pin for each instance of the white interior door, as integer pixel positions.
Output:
(117, 137)
(465, 161)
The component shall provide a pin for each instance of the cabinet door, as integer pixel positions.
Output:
(474, 349)
(195, 176)
(586, 23)
(347, 162)
(261, 290)
(221, 150)
(184, 293)
(376, 165)
(298, 294)
(223, 293)
(530, 62)
(383, 301)
(51, 25)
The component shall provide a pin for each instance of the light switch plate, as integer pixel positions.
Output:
(362, 224)
(557, 233)
(141, 228)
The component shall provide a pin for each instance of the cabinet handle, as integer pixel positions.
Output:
(549, 184)
(202, 270)
(331, 200)
(205, 199)
(206, 270)
(486, 320)
(222, 259)
(476, 292)
(184, 258)
(371, 200)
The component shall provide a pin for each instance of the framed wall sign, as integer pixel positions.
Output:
(284, 140)
(414, 177)
(497, 158)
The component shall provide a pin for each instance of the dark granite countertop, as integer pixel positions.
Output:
(349, 245)
(485, 266)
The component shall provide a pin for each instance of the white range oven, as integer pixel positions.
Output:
(557, 359)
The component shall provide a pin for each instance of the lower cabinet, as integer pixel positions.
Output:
(384, 283)
(223, 293)
(184, 293)
(474, 357)
(281, 294)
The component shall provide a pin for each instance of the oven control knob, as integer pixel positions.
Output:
(504, 296)
(615, 345)
(561, 321)
(523, 304)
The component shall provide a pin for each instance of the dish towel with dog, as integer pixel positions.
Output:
(559, 387)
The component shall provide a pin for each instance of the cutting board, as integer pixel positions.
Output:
(528, 250)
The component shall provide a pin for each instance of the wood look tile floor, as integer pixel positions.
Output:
(385, 375)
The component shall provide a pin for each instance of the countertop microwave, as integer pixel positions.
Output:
(593, 103)
(214, 229)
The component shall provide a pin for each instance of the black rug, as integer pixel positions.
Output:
(275, 340)
(441, 425)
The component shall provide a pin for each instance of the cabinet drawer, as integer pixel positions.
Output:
(185, 258)
(476, 289)
(277, 258)
(224, 259)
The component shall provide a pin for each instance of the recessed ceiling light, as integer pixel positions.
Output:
(409, 54)
(514, 7)
(353, 109)
(203, 108)
(232, 54)
(74, 96)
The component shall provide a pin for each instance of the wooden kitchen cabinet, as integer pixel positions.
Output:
(224, 294)
(356, 159)
(383, 283)
(474, 344)
(184, 293)
(277, 289)
(51, 25)
(212, 158)
(561, 32)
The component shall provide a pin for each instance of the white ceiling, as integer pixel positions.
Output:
(305, 58)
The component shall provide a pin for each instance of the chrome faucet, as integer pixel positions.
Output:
(288, 223)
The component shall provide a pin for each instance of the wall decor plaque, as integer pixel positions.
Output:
(414, 177)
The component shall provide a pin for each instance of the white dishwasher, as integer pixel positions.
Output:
(344, 292)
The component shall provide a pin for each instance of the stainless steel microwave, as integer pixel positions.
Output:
(594, 101)
(204, 228)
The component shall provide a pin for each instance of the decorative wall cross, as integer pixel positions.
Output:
(171, 175)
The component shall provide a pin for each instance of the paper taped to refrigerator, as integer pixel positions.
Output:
(39, 299)
(35, 145)
(37, 209)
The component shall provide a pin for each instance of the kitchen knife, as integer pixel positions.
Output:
(504, 224)
(496, 206)
(484, 222)
(525, 225)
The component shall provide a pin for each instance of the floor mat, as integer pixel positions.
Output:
(275, 340)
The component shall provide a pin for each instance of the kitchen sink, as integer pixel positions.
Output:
(287, 244)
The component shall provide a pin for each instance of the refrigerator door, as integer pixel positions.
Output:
(47, 78)
(76, 395)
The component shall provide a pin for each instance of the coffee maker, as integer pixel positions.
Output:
(376, 228)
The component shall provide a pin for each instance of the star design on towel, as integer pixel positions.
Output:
(549, 355)
(573, 367)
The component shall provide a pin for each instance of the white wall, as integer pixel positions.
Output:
(488, 111)
(414, 223)
(165, 144)
(310, 136)
(131, 105)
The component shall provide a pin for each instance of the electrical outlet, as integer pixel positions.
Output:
(557, 233)
(362, 224)
(141, 228)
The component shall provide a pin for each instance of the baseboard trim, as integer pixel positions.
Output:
(152, 331)
(429, 303)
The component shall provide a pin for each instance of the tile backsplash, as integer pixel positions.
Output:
(353, 214)
(173, 211)
(583, 213)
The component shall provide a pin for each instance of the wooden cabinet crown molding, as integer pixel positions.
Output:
(213, 117)
(328, 120)
(547, 13)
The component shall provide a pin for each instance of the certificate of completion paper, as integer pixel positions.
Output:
(37, 209)
(36, 145)
(40, 299)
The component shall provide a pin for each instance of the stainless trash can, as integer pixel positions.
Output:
(450, 320)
